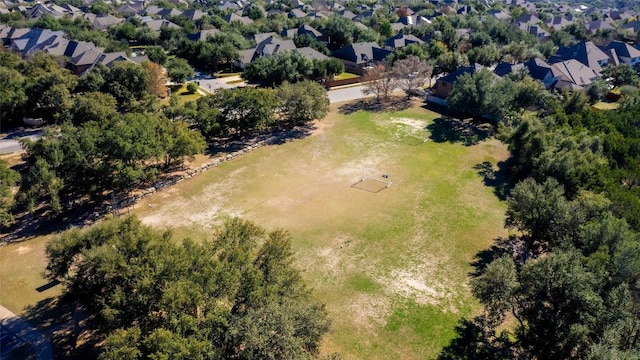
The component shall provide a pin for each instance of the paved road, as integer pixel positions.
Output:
(10, 143)
(346, 94)
(22, 330)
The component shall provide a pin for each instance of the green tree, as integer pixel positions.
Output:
(302, 102)
(236, 296)
(12, 95)
(8, 179)
(156, 54)
(179, 70)
(127, 82)
(597, 90)
(622, 74)
(93, 106)
(274, 70)
(474, 94)
(538, 211)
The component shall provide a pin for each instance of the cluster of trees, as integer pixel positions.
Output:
(570, 279)
(53, 91)
(482, 93)
(237, 111)
(290, 67)
(571, 275)
(84, 162)
(236, 296)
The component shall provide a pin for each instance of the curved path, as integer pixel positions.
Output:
(22, 330)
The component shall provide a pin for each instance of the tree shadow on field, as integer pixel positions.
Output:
(278, 135)
(390, 104)
(473, 341)
(65, 325)
(448, 129)
(495, 178)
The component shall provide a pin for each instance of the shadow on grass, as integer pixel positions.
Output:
(473, 342)
(497, 179)
(390, 104)
(274, 137)
(66, 326)
(448, 129)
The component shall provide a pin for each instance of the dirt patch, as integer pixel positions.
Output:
(22, 250)
(369, 311)
(416, 125)
(423, 283)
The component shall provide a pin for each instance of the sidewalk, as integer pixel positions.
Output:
(26, 333)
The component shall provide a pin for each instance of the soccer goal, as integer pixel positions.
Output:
(373, 181)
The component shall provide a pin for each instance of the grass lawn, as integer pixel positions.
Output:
(601, 105)
(346, 75)
(391, 266)
(185, 96)
(21, 268)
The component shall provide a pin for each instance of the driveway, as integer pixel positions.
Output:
(19, 328)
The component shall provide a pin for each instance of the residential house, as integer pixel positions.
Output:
(228, 5)
(347, 14)
(316, 15)
(236, 18)
(585, 52)
(499, 14)
(444, 85)
(202, 35)
(53, 10)
(542, 71)
(267, 47)
(31, 38)
(559, 22)
(167, 13)
(358, 56)
(537, 31)
(597, 25)
(132, 8)
(158, 25)
(466, 10)
(296, 14)
(505, 68)
(526, 20)
(401, 40)
(624, 52)
(311, 53)
(194, 14)
(632, 27)
(574, 75)
(103, 21)
(302, 30)
(620, 15)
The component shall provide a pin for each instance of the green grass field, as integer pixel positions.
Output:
(391, 266)
(184, 94)
(346, 75)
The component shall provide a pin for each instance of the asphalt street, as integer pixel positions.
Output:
(11, 144)
(346, 94)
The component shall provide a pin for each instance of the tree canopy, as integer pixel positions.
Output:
(237, 295)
